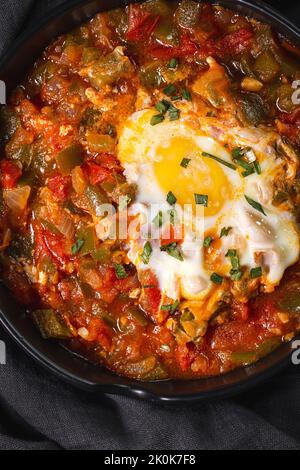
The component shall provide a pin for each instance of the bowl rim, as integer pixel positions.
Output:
(137, 389)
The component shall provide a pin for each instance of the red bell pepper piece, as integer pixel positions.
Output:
(140, 23)
(9, 174)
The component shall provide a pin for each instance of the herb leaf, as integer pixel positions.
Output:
(207, 241)
(147, 252)
(171, 199)
(77, 246)
(219, 160)
(158, 220)
(170, 89)
(171, 308)
(187, 95)
(120, 271)
(255, 272)
(225, 231)
(185, 162)
(201, 199)
(173, 63)
(173, 250)
(157, 119)
(216, 278)
(256, 205)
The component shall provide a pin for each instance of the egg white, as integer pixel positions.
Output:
(270, 240)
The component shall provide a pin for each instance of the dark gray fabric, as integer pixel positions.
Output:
(39, 412)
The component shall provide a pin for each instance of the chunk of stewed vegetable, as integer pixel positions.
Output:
(51, 324)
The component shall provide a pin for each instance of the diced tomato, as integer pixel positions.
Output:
(264, 312)
(186, 48)
(240, 310)
(289, 125)
(60, 187)
(140, 23)
(9, 174)
(232, 44)
(109, 161)
(127, 284)
(236, 43)
(56, 246)
(236, 336)
(99, 331)
(291, 118)
(95, 173)
(151, 296)
(185, 355)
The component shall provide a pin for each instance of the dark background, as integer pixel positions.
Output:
(39, 412)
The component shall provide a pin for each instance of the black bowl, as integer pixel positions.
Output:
(55, 358)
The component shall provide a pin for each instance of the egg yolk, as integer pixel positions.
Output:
(201, 176)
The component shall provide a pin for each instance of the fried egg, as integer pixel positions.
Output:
(184, 160)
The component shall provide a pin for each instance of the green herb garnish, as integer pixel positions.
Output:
(170, 90)
(77, 246)
(173, 63)
(236, 274)
(158, 220)
(249, 169)
(187, 95)
(201, 199)
(237, 152)
(225, 231)
(173, 250)
(185, 162)
(174, 113)
(171, 308)
(157, 119)
(255, 272)
(256, 205)
(257, 167)
(171, 199)
(173, 214)
(147, 252)
(207, 241)
(219, 160)
(120, 271)
(216, 278)
(162, 106)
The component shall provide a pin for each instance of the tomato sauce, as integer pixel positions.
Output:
(58, 164)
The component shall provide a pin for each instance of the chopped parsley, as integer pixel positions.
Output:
(157, 119)
(185, 162)
(201, 199)
(158, 220)
(147, 252)
(186, 94)
(162, 106)
(255, 272)
(171, 308)
(171, 199)
(256, 205)
(225, 231)
(207, 241)
(173, 216)
(173, 63)
(236, 273)
(173, 250)
(219, 160)
(170, 89)
(120, 271)
(77, 246)
(216, 278)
